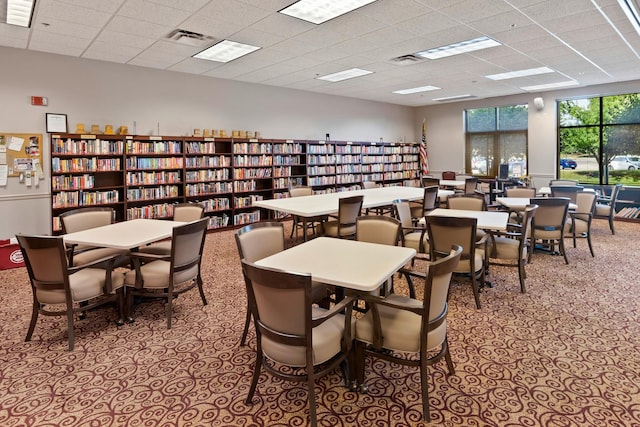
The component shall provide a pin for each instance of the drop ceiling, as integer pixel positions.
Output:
(590, 41)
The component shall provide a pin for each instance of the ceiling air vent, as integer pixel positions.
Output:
(406, 60)
(189, 38)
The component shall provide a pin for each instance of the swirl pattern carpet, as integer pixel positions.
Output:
(566, 353)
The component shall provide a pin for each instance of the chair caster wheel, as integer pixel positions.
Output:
(364, 389)
(353, 386)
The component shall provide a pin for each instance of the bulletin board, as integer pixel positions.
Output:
(20, 155)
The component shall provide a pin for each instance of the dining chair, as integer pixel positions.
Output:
(296, 340)
(449, 175)
(260, 240)
(526, 192)
(470, 185)
(83, 219)
(445, 232)
(547, 228)
(473, 202)
(428, 203)
(380, 229)
(606, 206)
(428, 181)
(182, 212)
(411, 235)
(60, 289)
(166, 276)
(569, 191)
(512, 245)
(397, 327)
(298, 221)
(579, 221)
(344, 226)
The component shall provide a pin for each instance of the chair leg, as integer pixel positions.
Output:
(129, 305)
(474, 287)
(424, 385)
(360, 360)
(34, 319)
(169, 308)
(312, 395)
(70, 328)
(121, 306)
(613, 231)
(522, 275)
(563, 251)
(247, 320)
(447, 357)
(200, 288)
(256, 376)
(589, 242)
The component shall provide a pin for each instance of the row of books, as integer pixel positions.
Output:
(629, 212)
(249, 173)
(288, 148)
(208, 162)
(246, 218)
(156, 147)
(154, 162)
(86, 146)
(72, 182)
(243, 202)
(207, 175)
(196, 147)
(84, 164)
(65, 199)
(202, 188)
(253, 148)
(161, 192)
(150, 178)
(247, 160)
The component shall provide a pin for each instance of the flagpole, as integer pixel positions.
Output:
(424, 158)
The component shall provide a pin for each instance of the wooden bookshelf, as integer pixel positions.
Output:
(146, 176)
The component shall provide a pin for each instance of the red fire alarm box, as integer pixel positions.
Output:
(10, 254)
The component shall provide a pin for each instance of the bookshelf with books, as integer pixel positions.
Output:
(146, 176)
(252, 178)
(208, 177)
(321, 166)
(348, 165)
(86, 170)
(154, 176)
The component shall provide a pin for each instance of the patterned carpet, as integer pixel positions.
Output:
(564, 354)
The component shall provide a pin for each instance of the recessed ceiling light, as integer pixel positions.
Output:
(416, 90)
(451, 98)
(520, 73)
(556, 85)
(460, 47)
(344, 75)
(629, 9)
(19, 12)
(225, 51)
(319, 11)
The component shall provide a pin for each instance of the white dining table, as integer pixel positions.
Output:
(520, 203)
(487, 220)
(359, 266)
(451, 183)
(325, 204)
(546, 191)
(124, 235)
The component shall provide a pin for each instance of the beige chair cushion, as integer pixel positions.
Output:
(158, 248)
(412, 240)
(86, 257)
(330, 228)
(580, 225)
(85, 284)
(400, 328)
(464, 266)
(507, 248)
(603, 210)
(156, 275)
(326, 342)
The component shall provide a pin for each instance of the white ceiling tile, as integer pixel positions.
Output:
(145, 10)
(122, 24)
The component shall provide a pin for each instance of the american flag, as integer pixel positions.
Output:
(424, 159)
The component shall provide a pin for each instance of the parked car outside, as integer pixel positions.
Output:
(624, 162)
(568, 164)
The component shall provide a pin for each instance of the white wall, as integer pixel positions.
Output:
(445, 127)
(94, 92)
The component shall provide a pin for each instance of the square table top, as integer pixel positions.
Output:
(519, 203)
(124, 235)
(360, 266)
(487, 220)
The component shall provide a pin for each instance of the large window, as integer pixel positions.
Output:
(599, 139)
(496, 136)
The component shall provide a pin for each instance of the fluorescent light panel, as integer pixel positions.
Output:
(319, 11)
(19, 12)
(345, 75)
(458, 48)
(630, 10)
(225, 51)
(556, 85)
(450, 98)
(520, 73)
(416, 90)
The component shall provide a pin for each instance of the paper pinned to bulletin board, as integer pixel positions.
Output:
(21, 156)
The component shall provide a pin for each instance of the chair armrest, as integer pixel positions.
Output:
(345, 303)
(110, 262)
